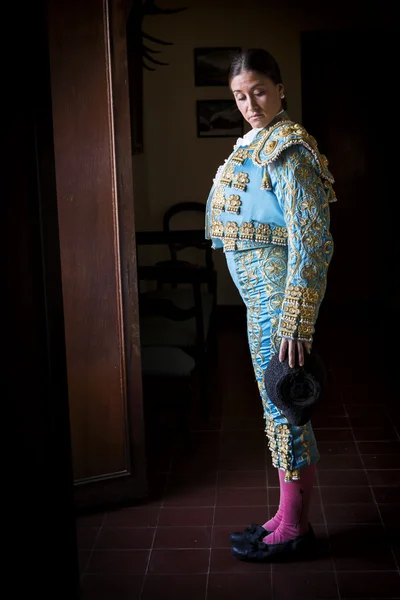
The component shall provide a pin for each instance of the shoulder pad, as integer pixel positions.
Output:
(283, 135)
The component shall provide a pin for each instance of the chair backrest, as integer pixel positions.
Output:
(204, 245)
(176, 240)
(158, 306)
(174, 248)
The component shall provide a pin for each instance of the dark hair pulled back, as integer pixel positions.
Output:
(259, 60)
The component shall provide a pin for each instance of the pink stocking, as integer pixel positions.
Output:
(274, 523)
(294, 507)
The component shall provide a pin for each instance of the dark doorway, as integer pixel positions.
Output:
(346, 105)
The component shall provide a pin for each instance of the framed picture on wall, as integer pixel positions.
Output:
(211, 65)
(218, 118)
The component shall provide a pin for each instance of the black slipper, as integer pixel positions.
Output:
(253, 533)
(261, 552)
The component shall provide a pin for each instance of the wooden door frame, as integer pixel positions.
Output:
(110, 160)
(128, 256)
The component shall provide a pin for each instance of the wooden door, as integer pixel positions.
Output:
(89, 83)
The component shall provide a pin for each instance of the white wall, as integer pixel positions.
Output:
(176, 165)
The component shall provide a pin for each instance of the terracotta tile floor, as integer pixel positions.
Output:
(175, 545)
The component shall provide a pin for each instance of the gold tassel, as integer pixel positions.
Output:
(266, 181)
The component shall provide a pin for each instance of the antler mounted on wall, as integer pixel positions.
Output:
(139, 10)
(139, 55)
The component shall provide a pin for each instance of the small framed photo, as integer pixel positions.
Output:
(211, 65)
(218, 118)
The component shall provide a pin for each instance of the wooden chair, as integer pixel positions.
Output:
(176, 248)
(201, 255)
(167, 377)
(168, 352)
(185, 286)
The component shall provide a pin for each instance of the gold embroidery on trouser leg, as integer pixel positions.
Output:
(251, 280)
(272, 445)
(284, 442)
(292, 475)
(261, 276)
(306, 443)
(264, 270)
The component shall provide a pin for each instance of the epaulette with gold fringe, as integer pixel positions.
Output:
(281, 136)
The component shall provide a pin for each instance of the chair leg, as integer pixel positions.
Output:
(183, 415)
(203, 386)
(209, 369)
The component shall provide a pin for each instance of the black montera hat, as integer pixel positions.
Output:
(295, 390)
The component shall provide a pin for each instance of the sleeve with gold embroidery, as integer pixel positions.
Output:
(304, 201)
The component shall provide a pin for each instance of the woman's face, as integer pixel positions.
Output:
(257, 97)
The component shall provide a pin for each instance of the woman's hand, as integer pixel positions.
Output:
(291, 348)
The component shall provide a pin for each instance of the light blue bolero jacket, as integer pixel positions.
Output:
(276, 190)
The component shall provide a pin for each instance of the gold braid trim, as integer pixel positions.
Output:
(232, 234)
(292, 475)
(280, 444)
(299, 313)
(281, 136)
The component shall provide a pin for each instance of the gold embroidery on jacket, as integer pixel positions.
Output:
(217, 229)
(230, 233)
(231, 230)
(233, 204)
(227, 175)
(266, 180)
(240, 180)
(240, 156)
(299, 313)
(218, 200)
(306, 212)
(262, 232)
(247, 231)
(283, 135)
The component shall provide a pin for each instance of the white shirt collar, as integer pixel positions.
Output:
(247, 138)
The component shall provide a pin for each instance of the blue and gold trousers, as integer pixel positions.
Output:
(260, 276)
